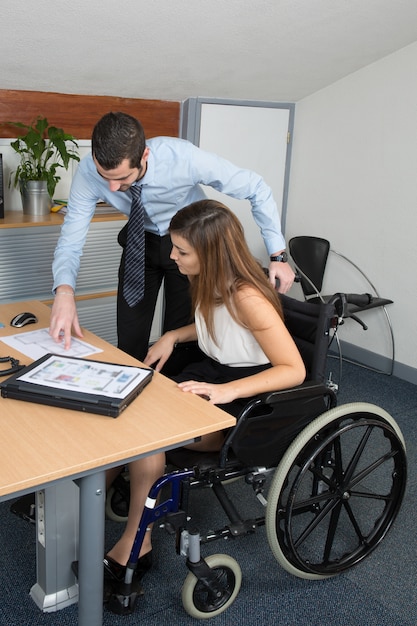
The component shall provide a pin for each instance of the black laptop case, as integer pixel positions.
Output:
(78, 384)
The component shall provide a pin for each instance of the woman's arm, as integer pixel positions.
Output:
(272, 335)
(162, 349)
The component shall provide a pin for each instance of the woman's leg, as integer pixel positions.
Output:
(208, 443)
(143, 473)
(112, 474)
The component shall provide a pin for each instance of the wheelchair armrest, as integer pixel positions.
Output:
(307, 389)
(282, 415)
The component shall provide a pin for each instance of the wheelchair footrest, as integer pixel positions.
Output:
(124, 598)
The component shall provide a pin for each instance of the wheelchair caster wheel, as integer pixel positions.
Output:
(199, 601)
(118, 498)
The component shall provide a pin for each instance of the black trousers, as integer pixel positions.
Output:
(134, 323)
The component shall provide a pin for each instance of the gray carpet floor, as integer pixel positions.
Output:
(380, 591)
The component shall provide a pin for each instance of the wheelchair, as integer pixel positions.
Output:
(336, 477)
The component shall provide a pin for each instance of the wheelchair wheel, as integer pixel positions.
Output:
(118, 498)
(199, 602)
(336, 491)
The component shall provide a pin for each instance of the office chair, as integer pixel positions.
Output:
(310, 256)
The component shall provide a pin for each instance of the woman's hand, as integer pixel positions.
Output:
(161, 350)
(216, 394)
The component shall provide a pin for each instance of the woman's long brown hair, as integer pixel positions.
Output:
(226, 263)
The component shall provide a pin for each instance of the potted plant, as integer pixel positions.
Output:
(43, 149)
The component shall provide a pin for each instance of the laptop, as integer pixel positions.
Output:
(78, 384)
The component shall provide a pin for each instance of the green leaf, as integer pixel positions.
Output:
(42, 149)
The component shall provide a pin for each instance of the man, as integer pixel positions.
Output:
(169, 171)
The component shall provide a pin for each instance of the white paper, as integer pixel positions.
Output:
(37, 343)
(82, 376)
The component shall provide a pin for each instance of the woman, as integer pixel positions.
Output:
(238, 315)
(239, 328)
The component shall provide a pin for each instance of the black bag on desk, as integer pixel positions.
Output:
(78, 384)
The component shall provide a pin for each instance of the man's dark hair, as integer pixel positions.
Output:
(118, 136)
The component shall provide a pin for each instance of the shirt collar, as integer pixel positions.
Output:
(148, 178)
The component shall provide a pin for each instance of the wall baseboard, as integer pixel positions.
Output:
(376, 361)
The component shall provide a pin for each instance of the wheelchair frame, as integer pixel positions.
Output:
(337, 480)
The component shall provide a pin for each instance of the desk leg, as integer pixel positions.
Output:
(91, 552)
(56, 546)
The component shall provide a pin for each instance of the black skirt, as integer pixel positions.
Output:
(209, 371)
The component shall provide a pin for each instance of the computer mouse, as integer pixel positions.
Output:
(21, 319)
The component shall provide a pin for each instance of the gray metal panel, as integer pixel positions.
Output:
(189, 124)
(101, 258)
(26, 256)
(99, 316)
(25, 262)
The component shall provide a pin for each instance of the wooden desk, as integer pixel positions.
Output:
(42, 446)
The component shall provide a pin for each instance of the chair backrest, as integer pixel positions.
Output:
(310, 257)
(309, 326)
(270, 422)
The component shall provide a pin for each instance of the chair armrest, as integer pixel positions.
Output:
(308, 389)
(282, 414)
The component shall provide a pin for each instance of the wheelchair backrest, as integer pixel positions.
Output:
(309, 325)
(270, 422)
(310, 257)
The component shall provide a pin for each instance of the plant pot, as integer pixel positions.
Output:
(35, 197)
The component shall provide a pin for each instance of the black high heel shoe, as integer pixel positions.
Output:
(143, 565)
(114, 571)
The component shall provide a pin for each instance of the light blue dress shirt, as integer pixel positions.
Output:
(175, 170)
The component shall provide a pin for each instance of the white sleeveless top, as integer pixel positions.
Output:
(235, 345)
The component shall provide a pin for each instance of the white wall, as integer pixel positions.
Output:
(353, 181)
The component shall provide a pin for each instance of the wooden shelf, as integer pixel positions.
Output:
(16, 219)
(89, 296)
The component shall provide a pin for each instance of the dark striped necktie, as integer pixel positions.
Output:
(134, 275)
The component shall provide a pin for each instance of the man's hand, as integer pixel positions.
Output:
(64, 316)
(284, 273)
